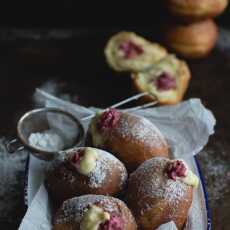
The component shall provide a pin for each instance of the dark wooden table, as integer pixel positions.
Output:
(75, 60)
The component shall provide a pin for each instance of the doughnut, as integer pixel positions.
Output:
(94, 212)
(194, 40)
(167, 80)
(126, 51)
(84, 170)
(131, 138)
(160, 191)
(195, 10)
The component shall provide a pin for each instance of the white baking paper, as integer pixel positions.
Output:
(186, 126)
(168, 226)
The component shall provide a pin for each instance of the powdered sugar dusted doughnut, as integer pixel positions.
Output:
(85, 171)
(159, 191)
(94, 212)
(126, 51)
(133, 139)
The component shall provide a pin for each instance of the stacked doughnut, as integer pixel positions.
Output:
(152, 68)
(86, 185)
(196, 33)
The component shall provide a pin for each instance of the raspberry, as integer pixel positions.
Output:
(114, 223)
(130, 49)
(76, 157)
(165, 82)
(176, 169)
(108, 119)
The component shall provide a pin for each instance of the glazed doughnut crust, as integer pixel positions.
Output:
(156, 199)
(194, 40)
(192, 10)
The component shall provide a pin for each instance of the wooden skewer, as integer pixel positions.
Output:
(88, 117)
(135, 97)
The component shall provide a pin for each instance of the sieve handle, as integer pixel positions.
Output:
(14, 146)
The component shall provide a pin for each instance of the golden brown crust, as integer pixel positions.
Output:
(194, 40)
(134, 140)
(184, 78)
(156, 199)
(64, 182)
(70, 214)
(152, 52)
(194, 10)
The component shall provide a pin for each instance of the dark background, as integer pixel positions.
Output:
(65, 42)
(71, 14)
(45, 40)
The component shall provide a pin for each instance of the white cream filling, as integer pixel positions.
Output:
(190, 179)
(88, 161)
(93, 218)
(97, 138)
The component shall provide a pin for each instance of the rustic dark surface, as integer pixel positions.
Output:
(75, 59)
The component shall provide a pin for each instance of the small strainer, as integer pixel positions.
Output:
(68, 127)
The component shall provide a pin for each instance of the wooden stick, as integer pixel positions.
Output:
(135, 97)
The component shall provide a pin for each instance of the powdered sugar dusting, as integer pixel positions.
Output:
(76, 207)
(158, 185)
(174, 190)
(105, 164)
(11, 187)
(140, 129)
(97, 177)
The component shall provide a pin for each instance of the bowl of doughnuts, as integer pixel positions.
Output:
(125, 177)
